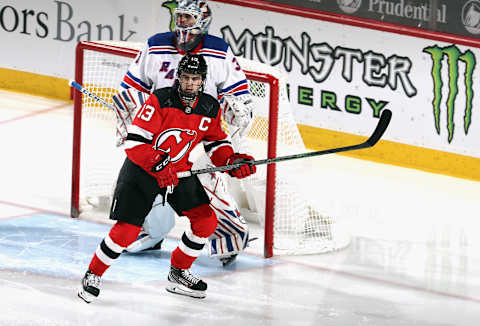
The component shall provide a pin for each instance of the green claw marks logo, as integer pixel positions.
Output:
(171, 5)
(454, 57)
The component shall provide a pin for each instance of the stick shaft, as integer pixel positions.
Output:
(371, 141)
(85, 91)
(100, 100)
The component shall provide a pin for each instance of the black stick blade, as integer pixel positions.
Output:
(381, 127)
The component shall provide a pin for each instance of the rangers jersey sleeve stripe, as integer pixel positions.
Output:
(238, 88)
(162, 50)
(214, 54)
(243, 89)
(136, 83)
(237, 84)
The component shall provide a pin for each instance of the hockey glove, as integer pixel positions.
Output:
(237, 110)
(126, 103)
(163, 171)
(244, 170)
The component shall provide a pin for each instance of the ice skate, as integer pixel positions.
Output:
(90, 288)
(227, 261)
(182, 281)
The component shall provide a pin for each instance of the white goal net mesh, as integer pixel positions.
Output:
(299, 223)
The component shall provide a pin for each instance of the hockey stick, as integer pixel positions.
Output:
(85, 91)
(374, 138)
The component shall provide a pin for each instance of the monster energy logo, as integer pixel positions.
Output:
(454, 56)
(171, 5)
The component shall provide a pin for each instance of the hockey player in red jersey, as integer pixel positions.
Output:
(164, 131)
(153, 68)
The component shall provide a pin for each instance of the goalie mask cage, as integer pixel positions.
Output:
(288, 210)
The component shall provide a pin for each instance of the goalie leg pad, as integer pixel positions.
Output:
(231, 235)
(158, 223)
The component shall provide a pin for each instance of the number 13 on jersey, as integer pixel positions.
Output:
(146, 112)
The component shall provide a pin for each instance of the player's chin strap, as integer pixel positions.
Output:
(370, 142)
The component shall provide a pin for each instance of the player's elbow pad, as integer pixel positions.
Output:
(220, 156)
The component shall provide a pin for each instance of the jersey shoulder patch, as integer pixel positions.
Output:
(161, 39)
(207, 106)
(164, 96)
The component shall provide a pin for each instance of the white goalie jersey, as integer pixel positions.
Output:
(155, 66)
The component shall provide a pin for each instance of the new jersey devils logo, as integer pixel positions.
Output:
(176, 142)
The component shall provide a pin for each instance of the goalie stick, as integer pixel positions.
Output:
(371, 141)
(85, 91)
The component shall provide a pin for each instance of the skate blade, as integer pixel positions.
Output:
(227, 261)
(85, 296)
(181, 290)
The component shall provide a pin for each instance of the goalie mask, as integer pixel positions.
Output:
(192, 19)
(191, 74)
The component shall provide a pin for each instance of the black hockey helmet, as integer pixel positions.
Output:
(192, 64)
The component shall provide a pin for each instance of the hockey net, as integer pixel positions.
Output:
(277, 196)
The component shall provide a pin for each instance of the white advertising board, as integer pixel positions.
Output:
(41, 34)
(340, 76)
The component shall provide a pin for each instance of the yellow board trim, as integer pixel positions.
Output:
(27, 82)
(456, 165)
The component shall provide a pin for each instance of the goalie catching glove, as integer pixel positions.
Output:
(244, 170)
(126, 103)
(237, 110)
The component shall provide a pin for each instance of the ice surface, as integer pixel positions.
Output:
(413, 260)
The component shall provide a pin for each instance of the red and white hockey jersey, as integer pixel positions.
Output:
(155, 66)
(165, 123)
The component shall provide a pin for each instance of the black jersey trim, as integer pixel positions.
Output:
(139, 138)
(209, 147)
